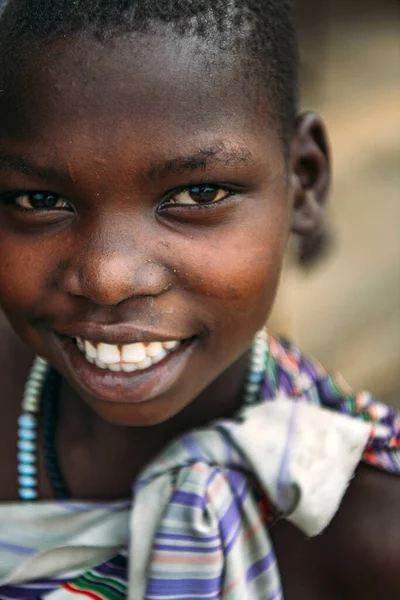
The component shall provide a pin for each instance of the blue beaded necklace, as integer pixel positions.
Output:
(40, 390)
(27, 431)
(39, 396)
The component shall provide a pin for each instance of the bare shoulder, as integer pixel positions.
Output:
(358, 555)
(364, 538)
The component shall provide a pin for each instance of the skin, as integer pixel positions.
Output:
(113, 128)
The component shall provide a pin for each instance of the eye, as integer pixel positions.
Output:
(200, 194)
(41, 201)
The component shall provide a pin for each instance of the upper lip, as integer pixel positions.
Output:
(124, 333)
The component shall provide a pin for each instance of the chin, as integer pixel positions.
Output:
(146, 414)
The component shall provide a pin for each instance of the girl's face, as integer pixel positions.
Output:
(143, 198)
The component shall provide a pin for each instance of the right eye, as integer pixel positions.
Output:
(41, 201)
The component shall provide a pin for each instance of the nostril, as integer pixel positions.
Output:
(110, 278)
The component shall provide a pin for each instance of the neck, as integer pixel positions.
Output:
(114, 455)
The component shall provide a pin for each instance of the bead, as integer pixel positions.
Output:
(27, 481)
(27, 422)
(40, 370)
(41, 364)
(258, 371)
(30, 400)
(259, 346)
(258, 363)
(27, 434)
(249, 398)
(26, 446)
(31, 408)
(252, 388)
(27, 430)
(32, 394)
(37, 378)
(34, 384)
(260, 351)
(261, 336)
(38, 375)
(258, 366)
(27, 469)
(28, 494)
(255, 377)
(26, 458)
(258, 360)
(37, 372)
(40, 361)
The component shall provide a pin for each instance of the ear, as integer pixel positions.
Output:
(311, 174)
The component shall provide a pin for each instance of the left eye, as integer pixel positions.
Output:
(41, 201)
(200, 194)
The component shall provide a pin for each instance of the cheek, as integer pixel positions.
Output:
(24, 273)
(236, 269)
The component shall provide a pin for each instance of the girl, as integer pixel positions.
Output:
(156, 443)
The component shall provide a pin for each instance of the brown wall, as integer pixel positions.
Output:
(346, 311)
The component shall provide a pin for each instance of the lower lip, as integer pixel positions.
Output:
(120, 387)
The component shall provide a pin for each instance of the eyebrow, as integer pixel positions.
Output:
(9, 162)
(201, 159)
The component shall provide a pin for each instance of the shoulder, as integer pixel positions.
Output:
(358, 556)
(363, 540)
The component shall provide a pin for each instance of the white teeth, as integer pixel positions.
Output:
(127, 358)
(162, 354)
(133, 353)
(170, 345)
(108, 354)
(154, 349)
(90, 350)
(145, 364)
(128, 368)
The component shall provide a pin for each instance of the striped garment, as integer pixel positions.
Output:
(197, 526)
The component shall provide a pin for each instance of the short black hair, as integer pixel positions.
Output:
(265, 28)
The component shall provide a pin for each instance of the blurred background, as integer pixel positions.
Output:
(345, 310)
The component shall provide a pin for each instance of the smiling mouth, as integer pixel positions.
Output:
(128, 373)
(126, 358)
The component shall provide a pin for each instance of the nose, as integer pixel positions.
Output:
(111, 277)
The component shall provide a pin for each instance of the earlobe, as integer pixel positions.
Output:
(307, 215)
(310, 172)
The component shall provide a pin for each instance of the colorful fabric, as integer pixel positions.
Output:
(297, 375)
(197, 526)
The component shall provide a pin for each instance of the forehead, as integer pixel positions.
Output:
(156, 89)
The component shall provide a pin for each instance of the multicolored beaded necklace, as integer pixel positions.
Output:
(42, 387)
